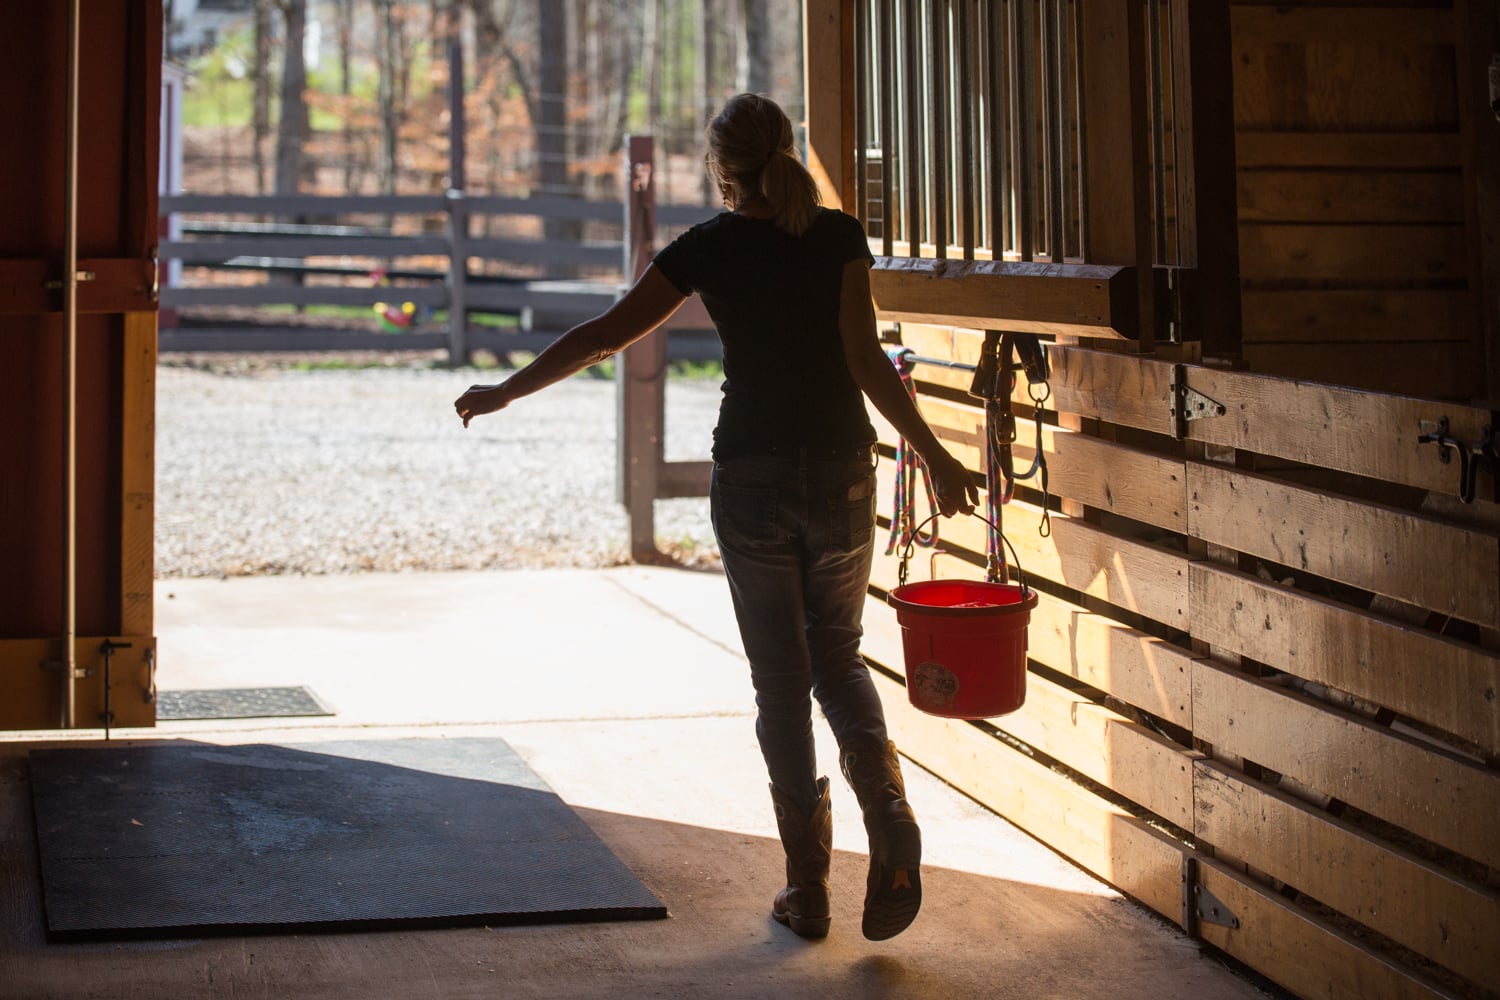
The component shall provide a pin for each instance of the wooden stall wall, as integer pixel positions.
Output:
(1266, 709)
(119, 83)
(1263, 671)
(1361, 132)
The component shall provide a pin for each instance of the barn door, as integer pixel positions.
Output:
(77, 448)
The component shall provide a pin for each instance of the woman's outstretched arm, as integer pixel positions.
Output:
(878, 379)
(645, 307)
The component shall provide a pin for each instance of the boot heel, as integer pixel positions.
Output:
(809, 927)
(893, 893)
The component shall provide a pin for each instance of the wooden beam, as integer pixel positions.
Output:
(1204, 176)
(829, 83)
(1477, 40)
(1413, 902)
(1371, 254)
(1351, 196)
(1116, 158)
(1447, 684)
(1437, 796)
(1308, 316)
(1080, 299)
(138, 474)
(1411, 558)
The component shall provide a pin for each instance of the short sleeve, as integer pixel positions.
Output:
(851, 242)
(676, 261)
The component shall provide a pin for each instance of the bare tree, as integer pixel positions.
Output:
(758, 48)
(292, 131)
(260, 78)
(551, 120)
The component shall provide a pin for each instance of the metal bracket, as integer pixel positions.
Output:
(1199, 906)
(79, 673)
(1189, 404)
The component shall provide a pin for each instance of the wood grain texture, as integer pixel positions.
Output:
(1438, 796)
(1447, 684)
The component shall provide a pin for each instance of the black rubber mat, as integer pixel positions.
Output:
(187, 839)
(239, 703)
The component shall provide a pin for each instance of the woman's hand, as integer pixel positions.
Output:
(953, 486)
(479, 400)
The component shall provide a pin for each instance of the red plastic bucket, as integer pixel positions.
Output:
(965, 646)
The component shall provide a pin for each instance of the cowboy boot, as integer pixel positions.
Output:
(893, 891)
(808, 840)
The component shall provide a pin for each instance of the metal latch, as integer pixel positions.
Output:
(79, 673)
(1199, 906)
(53, 284)
(1189, 404)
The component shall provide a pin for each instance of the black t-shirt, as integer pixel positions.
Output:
(774, 299)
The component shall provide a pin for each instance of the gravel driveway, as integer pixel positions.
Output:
(266, 469)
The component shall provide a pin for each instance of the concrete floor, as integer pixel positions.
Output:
(625, 690)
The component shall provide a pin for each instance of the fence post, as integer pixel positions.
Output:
(641, 395)
(457, 277)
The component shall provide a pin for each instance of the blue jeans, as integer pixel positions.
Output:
(796, 536)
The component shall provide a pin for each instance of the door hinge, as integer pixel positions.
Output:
(1199, 906)
(1189, 404)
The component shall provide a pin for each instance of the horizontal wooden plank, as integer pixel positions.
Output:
(1100, 837)
(1441, 797)
(1304, 316)
(1123, 662)
(1369, 254)
(1323, 148)
(1098, 743)
(1351, 196)
(1391, 26)
(1078, 299)
(1440, 370)
(1349, 84)
(1453, 922)
(1117, 388)
(1418, 560)
(1332, 427)
(303, 204)
(1146, 579)
(1130, 482)
(1447, 684)
(307, 295)
(1292, 947)
(219, 251)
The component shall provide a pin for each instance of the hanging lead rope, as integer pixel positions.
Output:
(910, 469)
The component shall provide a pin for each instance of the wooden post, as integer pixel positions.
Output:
(1208, 243)
(1478, 42)
(458, 277)
(829, 85)
(1116, 128)
(641, 395)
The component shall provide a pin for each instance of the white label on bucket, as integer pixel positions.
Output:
(935, 685)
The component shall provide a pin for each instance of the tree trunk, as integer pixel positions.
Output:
(292, 132)
(386, 32)
(260, 76)
(758, 48)
(343, 16)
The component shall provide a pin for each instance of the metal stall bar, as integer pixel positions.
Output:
(70, 380)
(997, 138)
(1053, 116)
(862, 87)
(912, 119)
(939, 176)
(967, 107)
(1024, 101)
(889, 206)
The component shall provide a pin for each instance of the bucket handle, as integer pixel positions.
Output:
(901, 574)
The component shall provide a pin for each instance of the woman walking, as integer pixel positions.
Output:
(793, 491)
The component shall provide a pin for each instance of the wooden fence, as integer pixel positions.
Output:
(1262, 695)
(334, 263)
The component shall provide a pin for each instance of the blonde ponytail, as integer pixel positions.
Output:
(752, 155)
